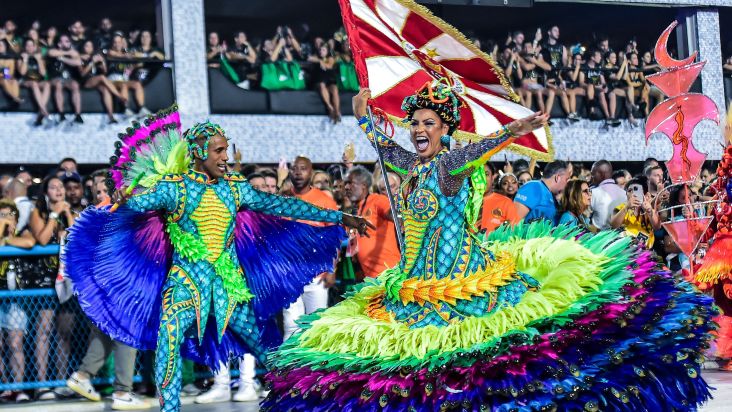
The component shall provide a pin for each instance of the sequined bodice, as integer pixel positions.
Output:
(438, 241)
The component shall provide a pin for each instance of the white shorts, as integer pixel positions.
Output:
(12, 317)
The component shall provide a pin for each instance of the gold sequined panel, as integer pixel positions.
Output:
(212, 218)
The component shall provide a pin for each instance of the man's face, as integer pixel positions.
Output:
(215, 165)
(10, 27)
(355, 189)
(302, 170)
(64, 43)
(68, 166)
(554, 33)
(597, 58)
(518, 38)
(77, 29)
(106, 24)
(25, 177)
(74, 192)
(241, 38)
(655, 178)
(270, 185)
(258, 183)
(489, 176)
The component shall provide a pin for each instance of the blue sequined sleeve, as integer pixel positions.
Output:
(396, 157)
(163, 196)
(285, 206)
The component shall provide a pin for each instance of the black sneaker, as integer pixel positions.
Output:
(113, 121)
(39, 119)
(61, 117)
(614, 122)
(78, 119)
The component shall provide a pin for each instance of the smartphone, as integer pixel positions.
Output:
(637, 191)
(233, 146)
(349, 153)
(283, 163)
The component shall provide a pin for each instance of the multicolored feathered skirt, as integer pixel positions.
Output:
(606, 329)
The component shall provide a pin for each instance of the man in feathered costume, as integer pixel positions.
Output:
(191, 255)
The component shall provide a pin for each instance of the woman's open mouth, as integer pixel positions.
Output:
(422, 143)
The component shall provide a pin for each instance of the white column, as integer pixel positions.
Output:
(189, 59)
(710, 50)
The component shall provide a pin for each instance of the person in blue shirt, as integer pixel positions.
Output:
(536, 199)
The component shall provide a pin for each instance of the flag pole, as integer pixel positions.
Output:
(395, 215)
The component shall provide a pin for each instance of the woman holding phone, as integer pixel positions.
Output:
(637, 217)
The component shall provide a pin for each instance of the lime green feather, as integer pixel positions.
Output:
(232, 278)
(186, 244)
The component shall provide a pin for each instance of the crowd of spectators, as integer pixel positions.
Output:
(292, 59)
(607, 75)
(542, 70)
(49, 61)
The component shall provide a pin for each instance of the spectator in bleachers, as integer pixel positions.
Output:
(92, 72)
(63, 69)
(77, 34)
(649, 67)
(517, 38)
(555, 54)
(603, 45)
(74, 192)
(572, 78)
(595, 88)
(395, 182)
(103, 35)
(532, 64)
(146, 49)
(8, 35)
(325, 78)
(509, 60)
(133, 37)
(32, 70)
(119, 70)
(291, 43)
(275, 50)
(36, 37)
(243, 58)
(49, 39)
(13, 319)
(8, 82)
(616, 75)
(214, 50)
(575, 204)
(270, 180)
(100, 193)
(508, 185)
(638, 88)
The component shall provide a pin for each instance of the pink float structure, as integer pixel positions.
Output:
(676, 118)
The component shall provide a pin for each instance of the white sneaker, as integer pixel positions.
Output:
(190, 390)
(129, 112)
(128, 402)
(246, 393)
(217, 393)
(83, 387)
(144, 112)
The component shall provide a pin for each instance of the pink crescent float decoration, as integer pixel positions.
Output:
(676, 118)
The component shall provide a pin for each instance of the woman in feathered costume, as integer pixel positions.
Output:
(715, 273)
(535, 318)
(191, 263)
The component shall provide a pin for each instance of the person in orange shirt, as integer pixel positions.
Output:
(497, 208)
(315, 295)
(379, 251)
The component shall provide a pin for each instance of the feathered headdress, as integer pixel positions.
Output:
(149, 150)
(439, 97)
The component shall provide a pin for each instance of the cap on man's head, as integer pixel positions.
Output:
(70, 177)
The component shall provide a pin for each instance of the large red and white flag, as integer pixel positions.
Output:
(399, 45)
